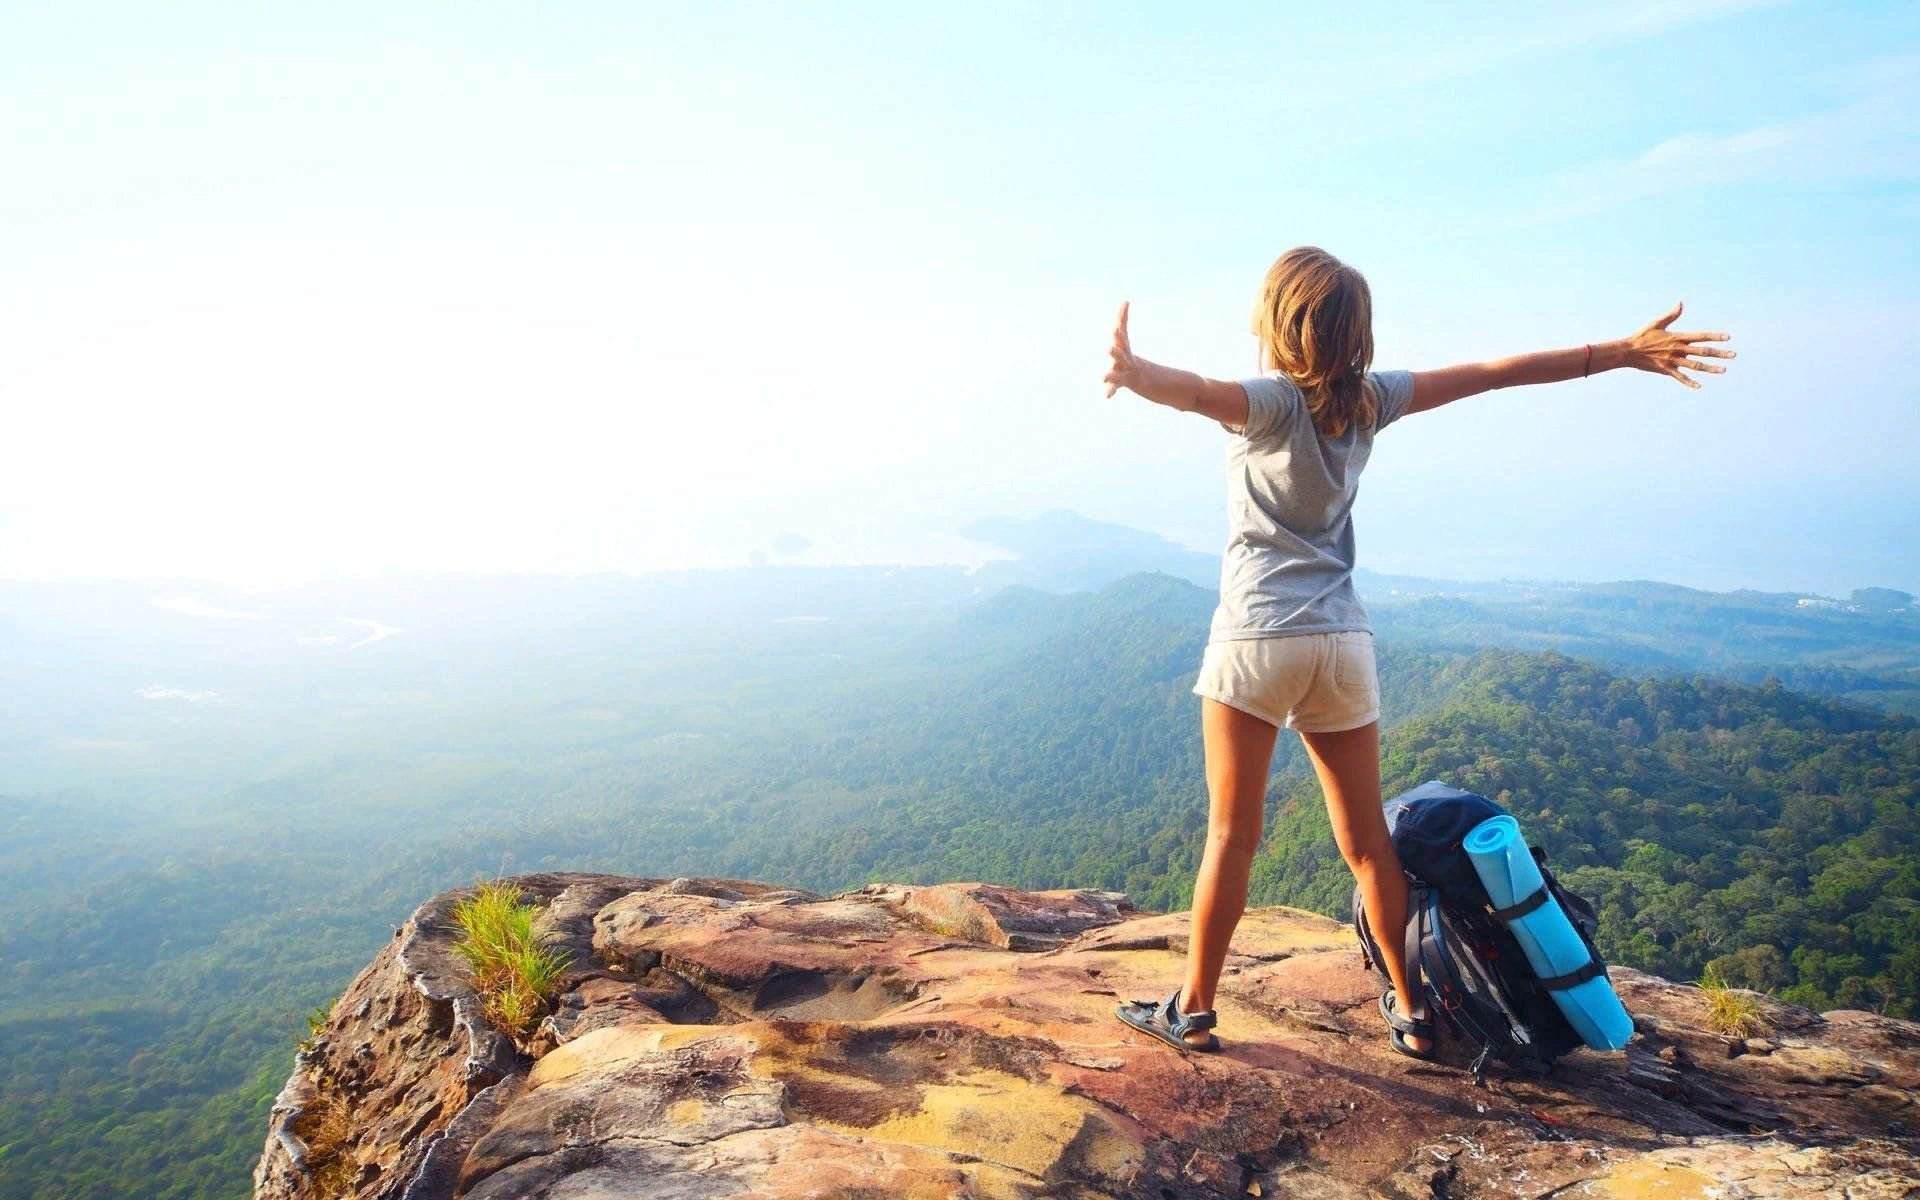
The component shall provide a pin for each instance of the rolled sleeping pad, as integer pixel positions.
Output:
(1551, 944)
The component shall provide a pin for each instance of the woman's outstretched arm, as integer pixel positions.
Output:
(1222, 400)
(1652, 348)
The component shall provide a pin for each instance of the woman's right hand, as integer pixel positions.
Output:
(1125, 372)
(1225, 402)
(1654, 348)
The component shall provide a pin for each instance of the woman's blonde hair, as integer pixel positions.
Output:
(1315, 325)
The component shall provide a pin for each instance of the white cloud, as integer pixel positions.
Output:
(197, 608)
(376, 632)
(1526, 34)
(1689, 149)
(1875, 137)
(186, 694)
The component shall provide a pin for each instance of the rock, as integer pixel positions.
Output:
(1769, 1169)
(723, 1038)
(998, 916)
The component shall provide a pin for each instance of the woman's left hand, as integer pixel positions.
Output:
(1656, 348)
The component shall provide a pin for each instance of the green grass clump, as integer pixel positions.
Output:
(515, 974)
(1732, 1012)
(317, 1019)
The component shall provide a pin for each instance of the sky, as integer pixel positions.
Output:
(302, 291)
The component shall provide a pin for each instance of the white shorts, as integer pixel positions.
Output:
(1312, 682)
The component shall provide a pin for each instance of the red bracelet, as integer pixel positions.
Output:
(1589, 366)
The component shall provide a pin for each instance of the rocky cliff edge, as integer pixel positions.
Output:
(731, 1039)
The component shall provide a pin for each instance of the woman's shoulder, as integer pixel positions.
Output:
(1273, 380)
(1392, 393)
(1273, 401)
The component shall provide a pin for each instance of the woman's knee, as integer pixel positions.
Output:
(1233, 842)
(1368, 860)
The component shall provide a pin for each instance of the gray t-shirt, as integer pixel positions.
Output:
(1288, 568)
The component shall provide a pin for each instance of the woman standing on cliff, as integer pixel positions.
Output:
(1290, 643)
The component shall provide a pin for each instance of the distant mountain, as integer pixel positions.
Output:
(1865, 649)
(1868, 653)
(1064, 551)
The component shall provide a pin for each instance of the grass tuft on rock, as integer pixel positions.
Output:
(514, 972)
(1734, 1012)
(326, 1127)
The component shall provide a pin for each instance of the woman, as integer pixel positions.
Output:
(1290, 643)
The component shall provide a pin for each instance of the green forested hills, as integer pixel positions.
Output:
(1758, 833)
(1866, 650)
(156, 963)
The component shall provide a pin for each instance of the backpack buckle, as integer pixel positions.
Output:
(1479, 1066)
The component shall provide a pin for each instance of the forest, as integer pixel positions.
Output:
(158, 961)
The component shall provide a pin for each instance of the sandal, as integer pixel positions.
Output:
(1398, 1027)
(1164, 1020)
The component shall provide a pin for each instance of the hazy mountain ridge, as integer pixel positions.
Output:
(1867, 653)
(1064, 551)
(151, 689)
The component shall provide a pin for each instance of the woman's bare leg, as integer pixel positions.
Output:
(1239, 750)
(1348, 764)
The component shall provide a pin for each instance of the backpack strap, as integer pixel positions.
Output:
(1416, 913)
(1593, 970)
(1479, 1007)
(1367, 959)
(1520, 908)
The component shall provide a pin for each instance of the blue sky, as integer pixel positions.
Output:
(307, 290)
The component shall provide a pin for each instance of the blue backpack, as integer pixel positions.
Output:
(1471, 971)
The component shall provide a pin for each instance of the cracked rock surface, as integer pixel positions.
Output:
(722, 1038)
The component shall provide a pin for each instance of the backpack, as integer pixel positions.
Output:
(1471, 971)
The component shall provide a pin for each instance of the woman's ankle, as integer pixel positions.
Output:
(1414, 1010)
